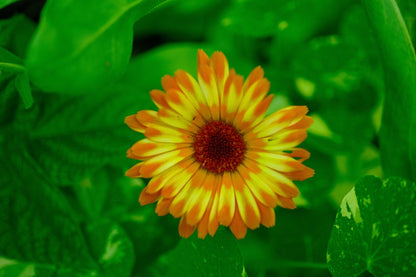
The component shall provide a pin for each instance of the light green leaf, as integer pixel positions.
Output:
(16, 33)
(265, 18)
(156, 63)
(5, 3)
(38, 230)
(375, 230)
(24, 89)
(10, 62)
(13, 64)
(213, 256)
(332, 76)
(398, 129)
(72, 52)
(73, 136)
(316, 189)
(111, 247)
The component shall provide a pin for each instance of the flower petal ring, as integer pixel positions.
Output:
(212, 156)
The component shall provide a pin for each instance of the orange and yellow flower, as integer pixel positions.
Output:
(212, 156)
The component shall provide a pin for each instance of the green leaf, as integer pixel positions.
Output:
(213, 256)
(168, 58)
(398, 129)
(375, 230)
(316, 189)
(355, 29)
(110, 194)
(38, 231)
(72, 52)
(5, 3)
(331, 76)
(73, 136)
(16, 33)
(11, 63)
(265, 18)
(296, 246)
(24, 89)
(111, 247)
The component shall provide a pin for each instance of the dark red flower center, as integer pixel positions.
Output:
(219, 147)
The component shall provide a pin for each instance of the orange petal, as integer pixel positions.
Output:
(181, 104)
(147, 117)
(173, 186)
(245, 202)
(169, 82)
(159, 98)
(134, 124)
(278, 182)
(287, 203)
(185, 230)
(304, 123)
(147, 198)
(261, 191)
(134, 172)
(201, 197)
(145, 148)
(160, 163)
(162, 207)
(300, 175)
(184, 81)
(219, 64)
(268, 217)
(131, 155)
(213, 222)
(226, 205)
(181, 201)
(202, 57)
(203, 223)
(256, 74)
(278, 121)
(238, 227)
(300, 153)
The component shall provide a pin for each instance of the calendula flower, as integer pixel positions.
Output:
(212, 156)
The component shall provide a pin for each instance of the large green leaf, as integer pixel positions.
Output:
(331, 77)
(81, 44)
(111, 247)
(13, 64)
(5, 3)
(213, 256)
(110, 194)
(265, 18)
(16, 33)
(73, 136)
(39, 233)
(315, 190)
(375, 230)
(296, 246)
(398, 129)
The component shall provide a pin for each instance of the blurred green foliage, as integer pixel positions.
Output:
(70, 71)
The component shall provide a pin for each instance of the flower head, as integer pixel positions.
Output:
(212, 155)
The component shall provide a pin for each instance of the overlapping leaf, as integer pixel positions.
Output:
(213, 256)
(72, 52)
(375, 230)
(14, 65)
(38, 232)
(398, 130)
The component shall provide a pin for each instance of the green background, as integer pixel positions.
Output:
(70, 71)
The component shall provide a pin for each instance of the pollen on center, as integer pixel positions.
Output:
(219, 147)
